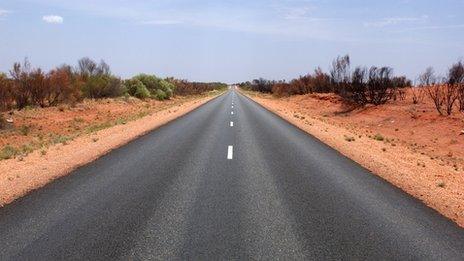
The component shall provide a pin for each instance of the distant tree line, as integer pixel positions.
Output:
(374, 85)
(27, 86)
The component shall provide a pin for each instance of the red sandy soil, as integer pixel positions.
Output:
(101, 126)
(421, 152)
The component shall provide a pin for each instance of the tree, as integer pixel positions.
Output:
(21, 83)
(456, 78)
(380, 88)
(64, 86)
(357, 90)
(340, 73)
(5, 91)
(428, 77)
(86, 67)
(262, 85)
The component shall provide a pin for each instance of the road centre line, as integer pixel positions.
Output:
(230, 152)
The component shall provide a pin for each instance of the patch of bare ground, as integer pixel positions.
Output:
(59, 140)
(407, 144)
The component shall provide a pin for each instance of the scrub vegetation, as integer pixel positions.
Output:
(25, 86)
(39, 109)
(375, 85)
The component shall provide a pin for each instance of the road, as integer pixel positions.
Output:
(229, 180)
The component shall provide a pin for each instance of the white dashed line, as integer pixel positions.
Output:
(231, 124)
(232, 106)
(230, 152)
(232, 113)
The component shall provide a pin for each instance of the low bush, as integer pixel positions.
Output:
(262, 85)
(64, 86)
(456, 79)
(378, 137)
(184, 87)
(160, 95)
(102, 86)
(158, 88)
(132, 85)
(2, 122)
(167, 88)
(8, 152)
(142, 92)
(6, 95)
(446, 92)
(417, 94)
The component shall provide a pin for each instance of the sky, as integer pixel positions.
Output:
(232, 41)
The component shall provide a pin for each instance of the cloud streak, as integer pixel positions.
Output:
(53, 19)
(432, 27)
(395, 21)
(161, 22)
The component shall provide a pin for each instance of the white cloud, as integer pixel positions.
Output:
(3, 12)
(53, 19)
(296, 13)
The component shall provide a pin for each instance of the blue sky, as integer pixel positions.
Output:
(229, 40)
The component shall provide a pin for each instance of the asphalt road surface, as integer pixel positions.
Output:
(229, 180)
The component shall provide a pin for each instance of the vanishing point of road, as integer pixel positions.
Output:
(229, 180)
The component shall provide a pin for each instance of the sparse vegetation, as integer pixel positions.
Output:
(24, 130)
(448, 92)
(376, 85)
(184, 87)
(378, 137)
(8, 152)
(29, 86)
(2, 122)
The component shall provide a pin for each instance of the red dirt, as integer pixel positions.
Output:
(42, 124)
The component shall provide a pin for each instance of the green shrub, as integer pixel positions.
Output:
(136, 88)
(27, 148)
(160, 95)
(101, 86)
(378, 137)
(25, 130)
(142, 92)
(167, 88)
(159, 88)
(132, 85)
(8, 152)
